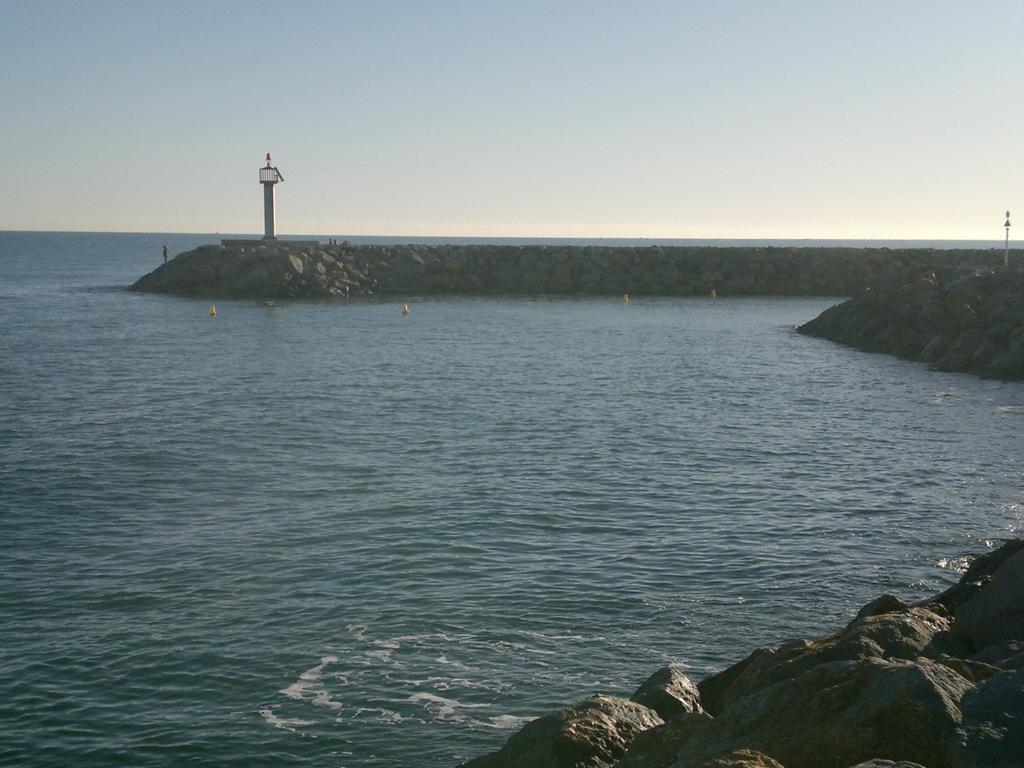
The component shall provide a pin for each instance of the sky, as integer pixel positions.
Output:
(894, 119)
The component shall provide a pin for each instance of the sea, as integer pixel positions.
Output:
(325, 534)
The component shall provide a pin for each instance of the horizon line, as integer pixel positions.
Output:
(996, 242)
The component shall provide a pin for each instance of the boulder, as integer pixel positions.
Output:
(978, 574)
(657, 747)
(718, 689)
(743, 758)
(888, 764)
(970, 669)
(903, 634)
(1008, 654)
(992, 732)
(996, 612)
(884, 604)
(669, 693)
(594, 733)
(840, 713)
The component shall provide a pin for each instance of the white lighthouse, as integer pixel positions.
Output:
(269, 176)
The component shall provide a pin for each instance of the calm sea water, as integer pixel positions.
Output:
(325, 534)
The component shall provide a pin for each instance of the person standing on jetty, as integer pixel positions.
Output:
(166, 253)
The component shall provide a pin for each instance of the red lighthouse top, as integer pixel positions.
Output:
(269, 173)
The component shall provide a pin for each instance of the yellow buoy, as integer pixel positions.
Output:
(213, 311)
(625, 298)
(405, 310)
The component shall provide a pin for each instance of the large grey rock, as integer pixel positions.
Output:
(996, 612)
(904, 634)
(743, 758)
(657, 747)
(719, 689)
(669, 693)
(1008, 654)
(977, 576)
(885, 604)
(970, 669)
(888, 764)
(992, 732)
(840, 713)
(595, 733)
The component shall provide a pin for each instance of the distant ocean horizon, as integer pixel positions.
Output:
(701, 242)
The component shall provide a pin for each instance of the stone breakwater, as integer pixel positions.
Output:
(938, 684)
(280, 270)
(954, 319)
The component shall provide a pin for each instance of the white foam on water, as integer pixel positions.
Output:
(956, 564)
(421, 639)
(285, 723)
(542, 636)
(442, 708)
(323, 699)
(448, 683)
(386, 714)
(385, 649)
(505, 722)
(358, 631)
(443, 659)
(1010, 408)
(308, 679)
(517, 647)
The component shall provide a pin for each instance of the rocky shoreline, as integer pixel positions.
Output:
(280, 270)
(955, 319)
(938, 684)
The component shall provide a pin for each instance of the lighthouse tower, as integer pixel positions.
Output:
(269, 176)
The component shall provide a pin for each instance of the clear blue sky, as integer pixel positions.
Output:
(711, 118)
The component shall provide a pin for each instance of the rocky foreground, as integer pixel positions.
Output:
(938, 684)
(311, 271)
(952, 318)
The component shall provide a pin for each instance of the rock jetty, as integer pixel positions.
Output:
(938, 684)
(315, 271)
(955, 319)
